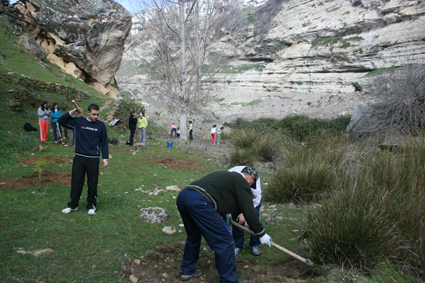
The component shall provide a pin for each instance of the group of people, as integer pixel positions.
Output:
(59, 133)
(140, 123)
(202, 205)
(216, 134)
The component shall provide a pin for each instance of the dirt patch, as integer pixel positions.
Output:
(176, 164)
(163, 265)
(47, 159)
(46, 177)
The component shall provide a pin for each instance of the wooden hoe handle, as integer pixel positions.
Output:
(294, 255)
(76, 106)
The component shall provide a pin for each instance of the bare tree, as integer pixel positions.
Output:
(181, 34)
(401, 100)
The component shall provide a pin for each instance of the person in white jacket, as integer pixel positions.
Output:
(237, 216)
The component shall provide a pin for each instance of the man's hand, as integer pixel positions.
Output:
(105, 163)
(266, 240)
(240, 219)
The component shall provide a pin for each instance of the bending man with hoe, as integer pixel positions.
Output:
(202, 205)
(90, 137)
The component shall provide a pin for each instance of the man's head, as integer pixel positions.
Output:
(251, 176)
(93, 112)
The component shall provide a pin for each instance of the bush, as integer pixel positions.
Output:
(299, 127)
(401, 100)
(245, 139)
(241, 156)
(377, 214)
(352, 229)
(266, 147)
(303, 182)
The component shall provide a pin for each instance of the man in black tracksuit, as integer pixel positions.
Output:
(132, 125)
(90, 137)
(202, 205)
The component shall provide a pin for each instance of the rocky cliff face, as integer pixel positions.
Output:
(314, 61)
(84, 38)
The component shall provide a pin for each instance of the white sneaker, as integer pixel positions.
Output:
(68, 210)
(92, 211)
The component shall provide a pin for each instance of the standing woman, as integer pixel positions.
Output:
(142, 123)
(56, 113)
(43, 120)
(132, 124)
(213, 133)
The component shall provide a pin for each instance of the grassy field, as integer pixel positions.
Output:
(35, 187)
(93, 248)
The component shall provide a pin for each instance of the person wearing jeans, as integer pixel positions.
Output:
(142, 123)
(57, 129)
(237, 216)
(202, 204)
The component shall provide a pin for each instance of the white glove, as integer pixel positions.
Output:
(266, 240)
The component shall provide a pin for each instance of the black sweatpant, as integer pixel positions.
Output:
(132, 136)
(80, 166)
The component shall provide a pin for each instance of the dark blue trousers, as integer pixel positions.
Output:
(201, 219)
(238, 234)
(55, 133)
(81, 166)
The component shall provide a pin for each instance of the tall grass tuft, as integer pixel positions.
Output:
(267, 146)
(241, 156)
(256, 144)
(310, 170)
(302, 182)
(352, 229)
(245, 139)
(377, 215)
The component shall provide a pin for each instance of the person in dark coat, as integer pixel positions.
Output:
(202, 204)
(132, 125)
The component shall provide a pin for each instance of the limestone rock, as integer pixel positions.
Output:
(169, 230)
(84, 38)
(153, 214)
(173, 188)
(31, 45)
(323, 51)
(38, 253)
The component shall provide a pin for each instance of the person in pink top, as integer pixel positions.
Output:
(173, 130)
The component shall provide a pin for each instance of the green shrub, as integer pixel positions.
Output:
(241, 156)
(266, 146)
(377, 214)
(299, 127)
(245, 139)
(352, 229)
(303, 182)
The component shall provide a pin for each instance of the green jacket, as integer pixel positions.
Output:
(142, 122)
(231, 191)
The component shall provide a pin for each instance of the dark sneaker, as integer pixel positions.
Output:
(238, 251)
(195, 274)
(256, 250)
(245, 281)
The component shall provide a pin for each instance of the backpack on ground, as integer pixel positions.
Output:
(29, 128)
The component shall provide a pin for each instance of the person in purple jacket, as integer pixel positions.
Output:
(90, 137)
